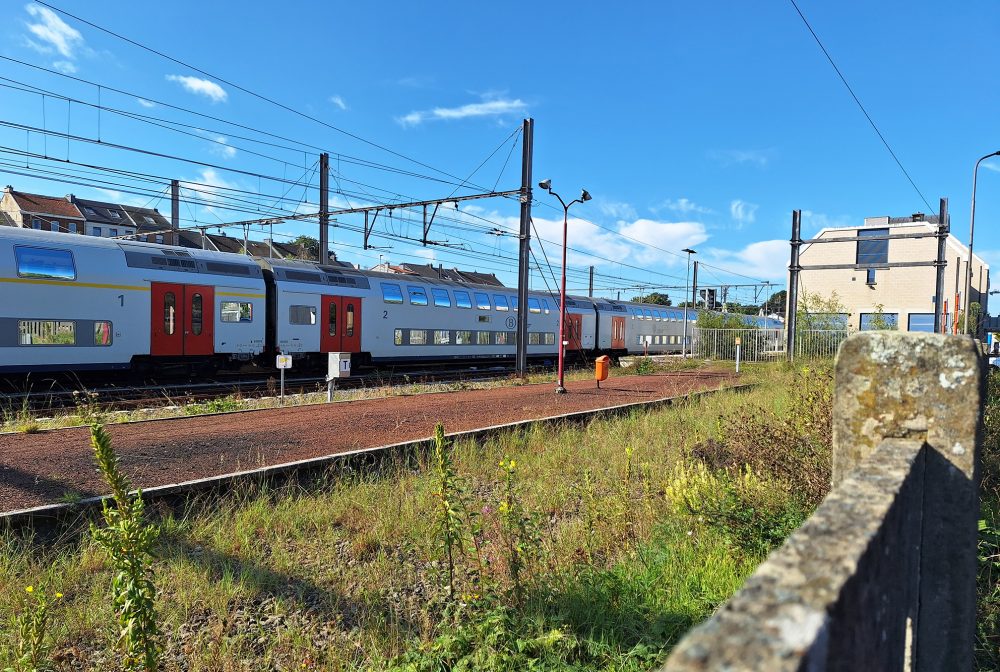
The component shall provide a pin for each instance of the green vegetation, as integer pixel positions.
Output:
(587, 548)
(988, 614)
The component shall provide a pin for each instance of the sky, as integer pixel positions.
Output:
(693, 125)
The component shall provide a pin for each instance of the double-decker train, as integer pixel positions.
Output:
(76, 303)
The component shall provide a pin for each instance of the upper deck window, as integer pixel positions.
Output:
(40, 262)
(391, 293)
(482, 301)
(501, 301)
(418, 295)
(462, 299)
(441, 298)
(534, 306)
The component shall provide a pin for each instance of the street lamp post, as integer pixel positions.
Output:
(687, 279)
(972, 228)
(584, 196)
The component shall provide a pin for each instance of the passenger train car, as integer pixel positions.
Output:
(75, 303)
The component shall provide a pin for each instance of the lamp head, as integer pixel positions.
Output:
(545, 184)
(689, 251)
(584, 195)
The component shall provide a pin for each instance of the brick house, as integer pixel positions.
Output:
(44, 213)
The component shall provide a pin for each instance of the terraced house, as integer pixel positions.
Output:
(880, 288)
(43, 213)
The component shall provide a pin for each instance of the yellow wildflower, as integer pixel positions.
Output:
(29, 589)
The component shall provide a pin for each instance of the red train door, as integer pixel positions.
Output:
(341, 324)
(182, 319)
(617, 333)
(574, 327)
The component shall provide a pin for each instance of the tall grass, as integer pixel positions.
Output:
(575, 552)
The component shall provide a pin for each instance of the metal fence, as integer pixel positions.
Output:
(757, 345)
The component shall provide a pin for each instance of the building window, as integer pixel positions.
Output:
(872, 251)
(38, 262)
(482, 301)
(418, 296)
(920, 322)
(391, 293)
(442, 337)
(441, 298)
(46, 332)
(418, 337)
(90, 211)
(97, 231)
(102, 333)
(113, 233)
(57, 226)
(236, 311)
(301, 314)
(114, 214)
(876, 321)
(870, 277)
(36, 224)
(149, 220)
(159, 238)
(462, 299)
(71, 227)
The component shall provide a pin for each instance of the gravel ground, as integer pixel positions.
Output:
(51, 466)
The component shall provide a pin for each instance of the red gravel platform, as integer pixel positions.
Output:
(45, 468)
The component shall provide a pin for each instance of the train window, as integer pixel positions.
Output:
(331, 327)
(418, 296)
(301, 314)
(533, 337)
(102, 333)
(462, 299)
(236, 311)
(482, 301)
(40, 262)
(349, 319)
(534, 306)
(483, 338)
(391, 293)
(441, 298)
(197, 313)
(648, 313)
(442, 337)
(397, 337)
(169, 313)
(46, 332)
(484, 318)
(418, 337)
(463, 338)
(550, 339)
(513, 303)
(501, 301)
(545, 306)
(501, 337)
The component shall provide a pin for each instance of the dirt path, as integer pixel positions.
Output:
(38, 469)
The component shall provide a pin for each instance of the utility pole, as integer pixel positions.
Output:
(694, 288)
(590, 289)
(944, 226)
(324, 208)
(793, 285)
(175, 210)
(524, 249)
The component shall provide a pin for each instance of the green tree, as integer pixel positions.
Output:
(879, 321)
(309, 246)
(975, 315)
(654, 297)
(818, 313)
(775, 303)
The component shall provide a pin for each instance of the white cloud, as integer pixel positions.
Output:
(617, 210)
(201, 87)
(64, 67)
(743, 212)
(814, 221)
(425, 253)
(145, 103)
(339, 102)
(764, 260)
(729, 157)
(497, 107)
(208, 186)
(683, 206)
(55, 34)
(221, 147)
(990, 165)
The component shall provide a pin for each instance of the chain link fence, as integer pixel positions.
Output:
(761, 345)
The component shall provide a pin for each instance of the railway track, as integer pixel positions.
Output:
(66, 394)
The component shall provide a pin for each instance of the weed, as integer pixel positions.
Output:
(643, 366)
(128, 541)
(450, 525)
(33, 645)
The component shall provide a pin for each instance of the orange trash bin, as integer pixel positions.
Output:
(601, 366)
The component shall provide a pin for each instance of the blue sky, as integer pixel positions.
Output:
(692, 124)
